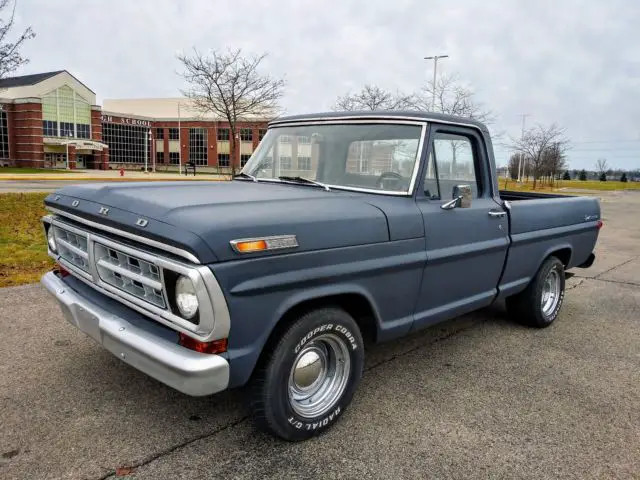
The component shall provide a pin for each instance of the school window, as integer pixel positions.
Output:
(66, 129)
(174, 158)
(83, 130)
(127, 143)
(223, 159)
(304, 163)
(174, 134)
(223, 134)
(246, 135)
(4, 135)
(285, 163)
(261, 133)
(159, 133)
(50, 128)
(198, 146)
(160, 157)
(244, 159)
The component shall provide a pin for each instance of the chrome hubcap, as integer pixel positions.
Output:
(319, 376)
(550, 292)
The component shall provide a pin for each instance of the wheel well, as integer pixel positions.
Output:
(563, 254)
(354, 304)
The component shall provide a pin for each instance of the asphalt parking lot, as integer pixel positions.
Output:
(477, 397)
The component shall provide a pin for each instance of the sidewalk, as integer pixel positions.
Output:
(110, 176)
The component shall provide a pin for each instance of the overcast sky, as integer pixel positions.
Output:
(573, 62)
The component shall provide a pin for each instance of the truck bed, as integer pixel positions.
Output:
(540, 224)
(515, 196)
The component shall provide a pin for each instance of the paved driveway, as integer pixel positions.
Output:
(477, 397)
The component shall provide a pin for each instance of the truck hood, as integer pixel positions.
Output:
(203, 217)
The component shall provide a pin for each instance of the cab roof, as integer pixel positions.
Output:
(382, 115)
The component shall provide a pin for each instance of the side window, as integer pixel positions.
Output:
(452, 161)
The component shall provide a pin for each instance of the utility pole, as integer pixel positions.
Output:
(435, 69)
(520, 168)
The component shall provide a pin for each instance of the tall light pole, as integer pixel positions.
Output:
(435, 69)
(67, 145)
(520, 171)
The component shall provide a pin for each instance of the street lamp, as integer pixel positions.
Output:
(435, 68)
(70, 135)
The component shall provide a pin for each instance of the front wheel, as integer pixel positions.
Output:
(308, 377)
(539, 304)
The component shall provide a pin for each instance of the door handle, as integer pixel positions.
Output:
(496, 214)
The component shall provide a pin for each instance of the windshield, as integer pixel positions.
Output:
(377, 157)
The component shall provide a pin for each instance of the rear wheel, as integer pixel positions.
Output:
(539, 304)
(308, 377)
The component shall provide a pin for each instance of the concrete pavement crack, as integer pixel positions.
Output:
(620, 282)
(173, 448)
(616, 266)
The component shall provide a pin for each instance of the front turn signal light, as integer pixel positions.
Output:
(215, 347)
(251, 246)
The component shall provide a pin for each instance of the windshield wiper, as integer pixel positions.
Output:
(304, 180)
(246, 175)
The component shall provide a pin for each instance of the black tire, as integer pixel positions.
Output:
(270, 385)
(526, 307)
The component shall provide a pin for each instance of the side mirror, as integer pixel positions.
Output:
(461, 198)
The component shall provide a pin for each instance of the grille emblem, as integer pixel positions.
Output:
(142, 222)
(104, 210)
(75, 203)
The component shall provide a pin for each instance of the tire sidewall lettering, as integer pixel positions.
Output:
(322, 423)
(327, 327)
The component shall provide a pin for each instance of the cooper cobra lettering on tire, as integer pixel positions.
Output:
(317, 330)
(308, 377)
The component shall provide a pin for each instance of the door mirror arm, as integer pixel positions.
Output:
(461, 198)
(452, 203)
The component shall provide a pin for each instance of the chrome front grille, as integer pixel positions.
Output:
(137, 277)
(115, 265)
(72, 247)
(130, 274)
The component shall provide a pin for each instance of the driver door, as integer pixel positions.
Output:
(466, 245)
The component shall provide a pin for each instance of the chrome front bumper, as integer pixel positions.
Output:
(190, 372)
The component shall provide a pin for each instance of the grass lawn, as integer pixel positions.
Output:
(31, 171)
(577, 184)
(23, 248)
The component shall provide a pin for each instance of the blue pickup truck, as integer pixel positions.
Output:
(342, 229)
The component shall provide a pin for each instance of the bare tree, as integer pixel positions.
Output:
(553, 162)
(452, 98)
(229, 85)
(536, 143)
(10, 57)
(372, 97)
(602, 166)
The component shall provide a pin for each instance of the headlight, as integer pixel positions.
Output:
(186, 299)
(51, 239)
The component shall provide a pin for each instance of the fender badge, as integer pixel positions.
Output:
(142, 222)
(56, 198)
(75, 203)
(104, 210)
